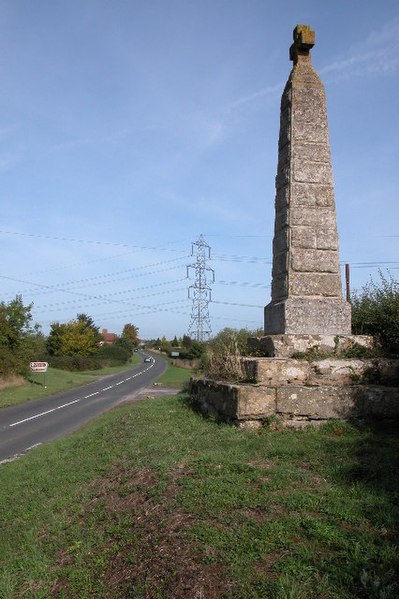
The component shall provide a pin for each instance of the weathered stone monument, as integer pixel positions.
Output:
(306, 288)
(307, 304)
(301, 375)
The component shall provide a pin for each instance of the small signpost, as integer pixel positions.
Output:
(39, 367)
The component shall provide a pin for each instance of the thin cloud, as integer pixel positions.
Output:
(377, 55)
(272, 90)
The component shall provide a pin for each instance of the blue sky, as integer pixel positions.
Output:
(129, 128)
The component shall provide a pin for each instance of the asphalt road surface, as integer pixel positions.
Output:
(35, 422)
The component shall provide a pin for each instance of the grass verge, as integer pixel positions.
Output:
(175, 376)
(152, 501)
(54, 381)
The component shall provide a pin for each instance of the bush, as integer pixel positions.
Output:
(114, 355)
(75, 363)
(222, 359)
(375, 311)
(16, 362)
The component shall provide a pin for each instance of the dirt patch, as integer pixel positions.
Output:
(153, 553)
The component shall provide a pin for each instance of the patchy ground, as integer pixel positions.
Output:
(150, 553)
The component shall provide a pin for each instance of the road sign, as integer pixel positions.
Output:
(38, 366)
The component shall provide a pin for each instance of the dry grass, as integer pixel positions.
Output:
(11, 381)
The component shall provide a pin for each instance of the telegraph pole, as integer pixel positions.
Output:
(200, 292)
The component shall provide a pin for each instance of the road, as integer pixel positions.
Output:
(35, 422)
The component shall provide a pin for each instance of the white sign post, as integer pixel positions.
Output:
(39, 367)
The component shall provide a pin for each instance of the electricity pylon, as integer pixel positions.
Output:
(200, 292)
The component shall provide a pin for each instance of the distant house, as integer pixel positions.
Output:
(108, 338)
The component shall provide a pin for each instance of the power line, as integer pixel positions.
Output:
(89, 241)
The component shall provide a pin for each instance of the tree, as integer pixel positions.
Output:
(79, 340)
(164, 344)
(375, 311)
(75, 338)
(125, 343)
(174, 342)
(186, 341)
(89, 323)
(131, 332)
(15, 319)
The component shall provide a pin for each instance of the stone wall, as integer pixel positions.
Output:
(299, 392)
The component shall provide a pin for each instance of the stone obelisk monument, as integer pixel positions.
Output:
(306, 283)
(308, 314)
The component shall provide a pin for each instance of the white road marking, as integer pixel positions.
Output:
(18, 455)
(65, 405)
(44, 413)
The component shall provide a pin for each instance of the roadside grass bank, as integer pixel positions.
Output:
(174, 376)
(153, 501)
(53, 381)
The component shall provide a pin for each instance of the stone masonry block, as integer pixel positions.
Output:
(280, 264)
(279, 287)
(312, 195)
(317, 133)
(309, 109)
(326, 238)
(312, 172)
(311, 284)
(311, 152)
(274, 372)
(315, 260)
(317, 403)
(303, 237)
(313, 217)
(280, 241)
(334, 371)
(308, 316)
(255, 402)
(284, 346)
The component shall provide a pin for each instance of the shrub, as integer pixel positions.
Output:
(114, 355)
(375, 311)
(75, 363)
(222, 358)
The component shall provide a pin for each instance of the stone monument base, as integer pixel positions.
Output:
(285, 346)
(299, 392)
(315, 315)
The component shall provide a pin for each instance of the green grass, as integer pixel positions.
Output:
(53, 381)
(151, 500)
(175, 376)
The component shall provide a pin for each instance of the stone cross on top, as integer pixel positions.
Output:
(303, 41)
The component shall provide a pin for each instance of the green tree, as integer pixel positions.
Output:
(89, 323)
(54, 339)
(79, 340)
(174, 342)
(186, 341)
(131, 332)
(375, 311)
(74, 338)
(164, 344)
(15, 328)
(15, 319)
(125, 343)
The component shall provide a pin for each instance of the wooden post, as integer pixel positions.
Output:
(347, 281)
